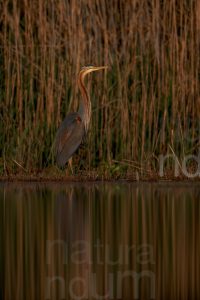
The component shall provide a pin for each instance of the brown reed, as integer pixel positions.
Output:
(149, 99)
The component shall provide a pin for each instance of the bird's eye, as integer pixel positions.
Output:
(78, 119)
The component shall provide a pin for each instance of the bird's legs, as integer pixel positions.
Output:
(70, 165)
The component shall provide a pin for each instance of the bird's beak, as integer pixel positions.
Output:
(100, 68)
(103, 67)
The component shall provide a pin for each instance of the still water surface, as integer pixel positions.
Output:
(100, 241)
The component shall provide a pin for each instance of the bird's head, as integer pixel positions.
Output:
(88, 69)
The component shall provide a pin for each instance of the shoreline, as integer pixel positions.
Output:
(97, 178)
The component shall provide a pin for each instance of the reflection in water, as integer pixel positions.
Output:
(100, 241)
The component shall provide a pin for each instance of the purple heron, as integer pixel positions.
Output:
(74, 127)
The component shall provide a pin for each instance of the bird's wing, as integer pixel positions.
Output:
(68, 138)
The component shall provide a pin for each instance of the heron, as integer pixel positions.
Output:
(75, 126)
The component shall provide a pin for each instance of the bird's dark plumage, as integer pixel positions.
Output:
(68, 138)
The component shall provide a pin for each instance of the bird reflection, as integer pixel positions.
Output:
(74, 236)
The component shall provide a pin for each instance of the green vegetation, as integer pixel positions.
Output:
(145, 105)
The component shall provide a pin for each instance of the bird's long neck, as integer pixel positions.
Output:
(85, 104)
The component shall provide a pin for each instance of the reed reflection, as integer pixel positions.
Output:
(108, 241)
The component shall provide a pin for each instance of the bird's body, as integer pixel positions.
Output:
(75, 126)
(70, 132)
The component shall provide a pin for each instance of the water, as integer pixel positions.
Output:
(100, 241)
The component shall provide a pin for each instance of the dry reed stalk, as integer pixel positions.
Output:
(148, 99)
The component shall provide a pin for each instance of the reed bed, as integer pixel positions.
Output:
(146, 104)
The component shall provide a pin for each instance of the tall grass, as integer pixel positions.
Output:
(147, 101)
